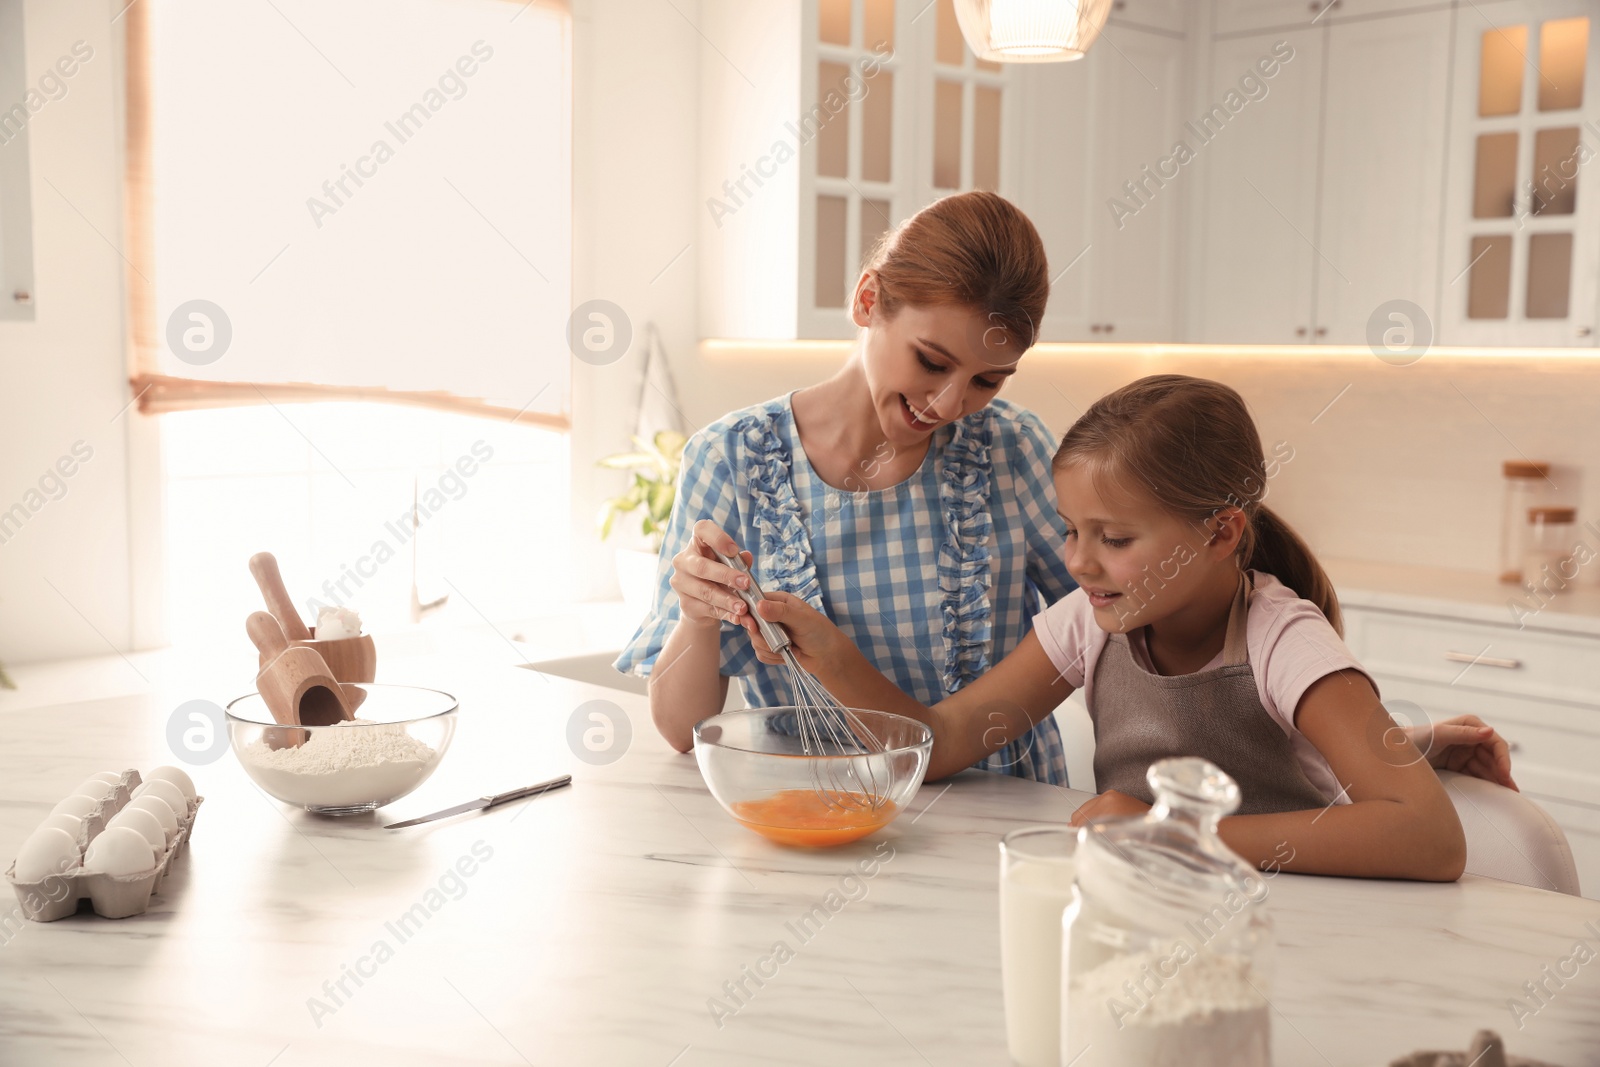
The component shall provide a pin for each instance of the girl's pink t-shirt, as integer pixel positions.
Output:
(1290, 642)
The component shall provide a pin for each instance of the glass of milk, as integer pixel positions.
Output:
(1035, 887)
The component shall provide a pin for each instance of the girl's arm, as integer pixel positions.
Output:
(1003, 704)
(1400, 822)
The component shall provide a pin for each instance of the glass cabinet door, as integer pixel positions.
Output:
(1524, 266)
(850, 129)
(896, 112)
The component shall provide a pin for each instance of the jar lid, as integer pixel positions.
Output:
(1525, 468)
(1551, 515)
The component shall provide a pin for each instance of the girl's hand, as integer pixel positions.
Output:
(1108, 805)
(1466, 744)
(705, 586)
(816, 640)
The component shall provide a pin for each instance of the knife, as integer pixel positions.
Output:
(485, 803)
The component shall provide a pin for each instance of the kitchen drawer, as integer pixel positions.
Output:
(1556, 748)
(1537, 664)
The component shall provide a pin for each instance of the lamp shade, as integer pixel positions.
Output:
(1031, 31)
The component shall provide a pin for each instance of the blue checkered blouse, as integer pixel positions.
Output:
(935, 578)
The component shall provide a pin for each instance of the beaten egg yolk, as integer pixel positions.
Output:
(803, 817)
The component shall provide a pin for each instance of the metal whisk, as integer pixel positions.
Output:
(846, 777)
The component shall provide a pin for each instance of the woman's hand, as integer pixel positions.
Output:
(705, 585)
(1466, 744)
(815, 640)
(1108, 805)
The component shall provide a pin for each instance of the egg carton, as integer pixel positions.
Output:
(112, 896)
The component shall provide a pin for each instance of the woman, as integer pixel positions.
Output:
(899, 496)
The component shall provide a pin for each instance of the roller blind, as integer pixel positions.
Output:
(350, 199)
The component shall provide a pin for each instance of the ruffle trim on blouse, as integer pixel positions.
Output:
(964, 574)
(784, 553)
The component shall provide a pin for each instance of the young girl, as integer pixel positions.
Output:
(900, 495)
(1202, 626)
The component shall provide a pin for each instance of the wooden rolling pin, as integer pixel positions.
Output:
(264, 567)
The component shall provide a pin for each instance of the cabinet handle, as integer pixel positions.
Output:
(1514, 746)
(1322, 331)
(1094, 327)
(1584, 331)
(1299, 331)
(1110, 326)
(1487, 661)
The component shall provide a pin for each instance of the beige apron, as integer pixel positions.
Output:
(1140, 718)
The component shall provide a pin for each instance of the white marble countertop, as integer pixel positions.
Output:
(1454, 594)
(600, 920)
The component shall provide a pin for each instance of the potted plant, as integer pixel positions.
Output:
(654, 487)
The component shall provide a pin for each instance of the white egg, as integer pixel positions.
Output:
(176, 776)
(148, 825)
(48, 850)
(168, 792)
(160, 809)
(98, 788)
(70, 823)
(110, 777)
(77, 804)
(119, 850)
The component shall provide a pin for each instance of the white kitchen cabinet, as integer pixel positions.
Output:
(16, 210)
(1136, 119)
(1250, 16)
(1326, 204)
(1256, 173)
(1236, 16)
(1383, 164)
(1538, 685)
(1522, 208)
(1056, 188)
(1170, 15)
(1087, 129)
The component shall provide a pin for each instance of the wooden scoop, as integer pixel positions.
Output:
(296, 684)
(264, 567)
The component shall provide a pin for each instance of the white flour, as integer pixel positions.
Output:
(1145, 1010)
(342, 767)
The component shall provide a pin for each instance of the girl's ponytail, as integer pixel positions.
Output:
(1274, 547)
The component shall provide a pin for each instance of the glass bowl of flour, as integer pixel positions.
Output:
(399, 735)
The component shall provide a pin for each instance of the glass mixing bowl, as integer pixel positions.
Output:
(755, 765)
(350, 768)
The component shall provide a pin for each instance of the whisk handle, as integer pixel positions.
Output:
(771, 632)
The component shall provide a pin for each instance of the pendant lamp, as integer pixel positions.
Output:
(1031, 31)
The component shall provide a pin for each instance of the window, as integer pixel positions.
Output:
(359, 194)
(347, 197)
(330, 489)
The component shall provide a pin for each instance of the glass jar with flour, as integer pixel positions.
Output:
(1166, 946)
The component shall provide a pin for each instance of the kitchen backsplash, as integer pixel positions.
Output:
(1389, 464)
